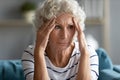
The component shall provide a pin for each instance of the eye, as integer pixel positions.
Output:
(70, 26)
(57, 27)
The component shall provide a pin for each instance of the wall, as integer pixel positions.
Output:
(115, 31)
(13, 41)
(10, 9)
(96, 32)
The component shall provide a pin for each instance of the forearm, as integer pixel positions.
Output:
(84, 66)
(40, 69)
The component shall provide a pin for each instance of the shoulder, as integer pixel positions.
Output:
(28, 52)
(28, 62)
(90, 49)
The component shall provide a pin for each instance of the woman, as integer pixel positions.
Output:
(60, 51)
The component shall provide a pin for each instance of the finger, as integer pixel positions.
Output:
(77, 26)
(46, 24)
(51, 25)
(49, 28)
(75, 23)
(50, 21)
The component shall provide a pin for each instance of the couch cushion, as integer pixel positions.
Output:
(11, 70)
(109, 74)
(104, 60)
(116, 68)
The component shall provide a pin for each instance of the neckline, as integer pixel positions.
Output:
(59, 68)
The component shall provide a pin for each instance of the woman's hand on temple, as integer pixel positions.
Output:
(41, 44)
(80, 36)
(43, 34)
(84, 65)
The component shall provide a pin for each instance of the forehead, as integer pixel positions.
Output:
(64, 17)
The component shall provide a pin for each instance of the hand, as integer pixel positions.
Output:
(43, 34)
(80, 36)
(84, 65)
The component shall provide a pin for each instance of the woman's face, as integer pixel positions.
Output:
(62, 35)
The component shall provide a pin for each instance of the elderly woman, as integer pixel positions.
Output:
(60, 51)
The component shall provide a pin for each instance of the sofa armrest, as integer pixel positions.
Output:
(109, 74)
(116, 68)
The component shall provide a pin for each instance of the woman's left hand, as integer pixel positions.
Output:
(84, 65)
(80, 36)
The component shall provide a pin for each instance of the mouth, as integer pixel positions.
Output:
(63, 43)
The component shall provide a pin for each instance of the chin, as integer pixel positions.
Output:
(63, 47)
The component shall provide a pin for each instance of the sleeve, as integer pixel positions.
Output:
(94, 63)
(28, 63)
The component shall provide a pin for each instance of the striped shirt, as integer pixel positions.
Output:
(69, 72)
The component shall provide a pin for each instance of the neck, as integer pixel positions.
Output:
(59, 58)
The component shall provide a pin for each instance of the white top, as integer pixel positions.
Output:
(69, 72)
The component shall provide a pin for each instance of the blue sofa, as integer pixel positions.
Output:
(12, 69)
(107, 71)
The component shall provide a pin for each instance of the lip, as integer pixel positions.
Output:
(62, 43)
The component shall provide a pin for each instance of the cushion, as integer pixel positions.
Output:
(11, 70)
(108, 74)
(117, 68)
(104, 60)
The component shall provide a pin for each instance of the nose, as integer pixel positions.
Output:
(64, 34)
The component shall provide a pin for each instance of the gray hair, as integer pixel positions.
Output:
(50, 8)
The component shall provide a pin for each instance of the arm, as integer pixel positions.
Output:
(40, 70)
(84, 65)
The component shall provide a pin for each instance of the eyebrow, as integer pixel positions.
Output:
(60, 24)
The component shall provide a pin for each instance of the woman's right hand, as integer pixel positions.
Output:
(43, 33)
(42, 38)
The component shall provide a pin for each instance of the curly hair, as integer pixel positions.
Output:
(49, 8)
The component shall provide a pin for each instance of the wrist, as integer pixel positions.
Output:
(39, 51)
(84, 52)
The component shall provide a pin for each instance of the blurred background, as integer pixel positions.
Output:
(17, 32)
